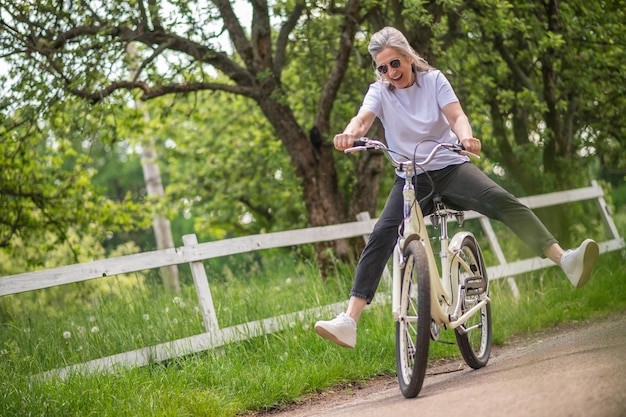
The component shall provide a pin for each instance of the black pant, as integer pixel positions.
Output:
(463, 187)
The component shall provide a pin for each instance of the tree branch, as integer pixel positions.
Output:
(283, 37)
(237, 35)
(191, 87)
(144, 16)
(150, 93)
(153, 7)
(150, 59)
(261, 211)
(200, 53)
(338, 72)
(498, 42)
(63, 37)
(261, 35)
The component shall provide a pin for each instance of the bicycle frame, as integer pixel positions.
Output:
(445, 301)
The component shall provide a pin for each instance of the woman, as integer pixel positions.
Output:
(418, 108)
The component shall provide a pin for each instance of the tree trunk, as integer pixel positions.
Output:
(161, 225)
(154, 187)
(315, 166)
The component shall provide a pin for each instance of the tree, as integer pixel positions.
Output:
(46, 183)
(538, 77)
(544, 72)
(79, 49)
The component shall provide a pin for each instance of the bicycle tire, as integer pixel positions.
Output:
(413, 326)
(474, 344)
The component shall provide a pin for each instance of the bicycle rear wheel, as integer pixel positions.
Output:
(413, 326)
(474, 337)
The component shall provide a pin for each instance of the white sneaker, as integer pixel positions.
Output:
(340, 330)
(578, 263)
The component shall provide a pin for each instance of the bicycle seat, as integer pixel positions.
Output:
(438, 199)
(443, 209)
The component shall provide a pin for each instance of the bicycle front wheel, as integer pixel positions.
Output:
(413, 325)
(474, 337)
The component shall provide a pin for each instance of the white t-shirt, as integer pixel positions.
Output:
(413, 119)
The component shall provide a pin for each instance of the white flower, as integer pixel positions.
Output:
(92, 319)
(174, 321)
(95, 329)
(179, 301)
(288, 281)
(67, 335)
(146, 317)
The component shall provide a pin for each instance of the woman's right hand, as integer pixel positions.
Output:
(344, 141)
(358, 126)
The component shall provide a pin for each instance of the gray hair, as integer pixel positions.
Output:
(389, 37)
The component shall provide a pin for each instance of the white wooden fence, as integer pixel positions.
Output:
(194, 253)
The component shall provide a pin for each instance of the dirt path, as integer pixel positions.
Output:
(574, 371)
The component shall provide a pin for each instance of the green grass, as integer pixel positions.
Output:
(257, 374)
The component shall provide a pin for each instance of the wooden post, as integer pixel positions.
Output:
(204, 292)
(605, 213)
(495, 246)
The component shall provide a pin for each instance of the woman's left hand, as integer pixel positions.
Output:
(471, 145)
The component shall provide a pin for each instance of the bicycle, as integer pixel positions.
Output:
(423, 302)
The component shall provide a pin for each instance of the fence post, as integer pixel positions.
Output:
(205, 299)
(495, 246)
(605, 212)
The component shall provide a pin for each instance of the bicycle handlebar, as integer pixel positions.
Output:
(366, 143)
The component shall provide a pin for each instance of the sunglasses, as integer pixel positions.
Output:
(394, 63)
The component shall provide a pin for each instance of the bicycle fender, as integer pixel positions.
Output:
(457, 241)
(411, 238)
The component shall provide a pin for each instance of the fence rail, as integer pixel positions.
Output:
(195, 253)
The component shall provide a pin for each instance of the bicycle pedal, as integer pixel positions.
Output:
(475, 285)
